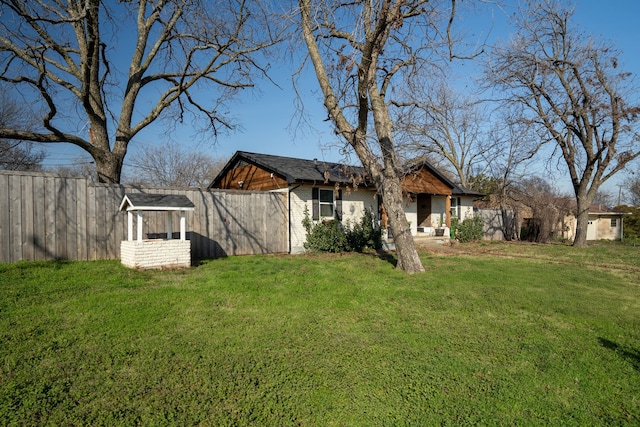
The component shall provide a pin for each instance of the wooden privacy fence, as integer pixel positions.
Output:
(46, 216)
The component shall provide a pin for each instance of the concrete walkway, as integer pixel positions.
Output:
(426, 240)
(422, 240)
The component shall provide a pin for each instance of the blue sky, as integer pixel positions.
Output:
(266, 117)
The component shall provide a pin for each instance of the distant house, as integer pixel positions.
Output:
(332, 190)
(604, 224)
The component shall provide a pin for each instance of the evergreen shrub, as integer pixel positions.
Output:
(470, 229)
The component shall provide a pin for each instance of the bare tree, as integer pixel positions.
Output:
(171, 165)
(17, 155)
(633, 187)
(81, 168)
(120, 66)
(571, 89)
(449, 125)
(547, 208)
(604, 198)
(361, 51)
(519, 144)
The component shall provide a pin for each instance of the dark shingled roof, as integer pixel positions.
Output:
(300, 170)
(145, 201)
(297, 170)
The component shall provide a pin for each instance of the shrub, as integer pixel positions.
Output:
(327, 236)
(471, 229)
(332, 236)
(364, 234)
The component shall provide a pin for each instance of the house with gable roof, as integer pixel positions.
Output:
(337, 191)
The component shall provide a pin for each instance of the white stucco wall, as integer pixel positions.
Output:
(298, 199)
(411, 212)
(438, 210)
(466, 208)
(355, 203)
(599, 228)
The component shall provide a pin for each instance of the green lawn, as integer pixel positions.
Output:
(490, 334)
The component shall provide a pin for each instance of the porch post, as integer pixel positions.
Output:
(129, 226)
(447, 211)
(139, 226)
(183, 225)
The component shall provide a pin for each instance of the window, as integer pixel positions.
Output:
(455, 207)
(326, 203)
(614, 222)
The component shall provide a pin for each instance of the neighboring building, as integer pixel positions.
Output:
(333, 190)
(604, 224)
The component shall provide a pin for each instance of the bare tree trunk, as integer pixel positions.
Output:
(408, 259)
(582, 221)
(109, 168)
(389, 185)
(380, 163)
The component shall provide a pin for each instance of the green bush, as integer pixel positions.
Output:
(471, 229)
(327, 236)
(364, 234)
(332, 236)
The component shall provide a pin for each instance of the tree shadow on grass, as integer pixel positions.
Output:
(630, 355)
(388, 257)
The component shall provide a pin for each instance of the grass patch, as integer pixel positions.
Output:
(325, 340)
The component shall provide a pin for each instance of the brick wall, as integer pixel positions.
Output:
(156, 253)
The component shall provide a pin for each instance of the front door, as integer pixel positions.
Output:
(424, 210)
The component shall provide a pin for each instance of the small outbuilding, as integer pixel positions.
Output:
(155, 253)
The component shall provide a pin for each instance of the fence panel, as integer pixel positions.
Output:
(47, 216)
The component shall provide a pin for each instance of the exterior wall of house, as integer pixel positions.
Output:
(603, 228)
(411, 212)
(438, 211)
(298, 199)
(466, 208)
(423, 181)
(354, 204)
(599, 227)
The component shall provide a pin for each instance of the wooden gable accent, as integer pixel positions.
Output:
(423, 181)
(252, 178)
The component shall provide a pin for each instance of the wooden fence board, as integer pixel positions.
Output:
(50, 218)
(61, 220)
(81, 220)
(39, 225)
(15, 218)
(71, 210)
(5, 236)
(27, 219)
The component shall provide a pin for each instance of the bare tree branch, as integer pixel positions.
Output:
(193, 54)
